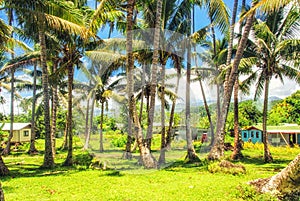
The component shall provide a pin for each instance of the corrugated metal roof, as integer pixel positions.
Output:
(284, 131)
(16, 126)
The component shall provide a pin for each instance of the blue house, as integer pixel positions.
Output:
(252, 134)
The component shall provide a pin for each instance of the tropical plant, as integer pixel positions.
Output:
(274, 49)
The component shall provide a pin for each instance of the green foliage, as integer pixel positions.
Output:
(119, 141)
(286, 111)
(197, 145)
(226, 168)
(61, 120)
(23, 118)
(249, 193)
(249, 114)
(204, 123)
(83, 159)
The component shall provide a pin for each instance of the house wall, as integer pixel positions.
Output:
(254, 135)
(18, 136)
(298, 138)
(277, 140)
(15, 137)
(25, 135)
(245, 136)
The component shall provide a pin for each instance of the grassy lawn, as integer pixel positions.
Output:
(125, 180)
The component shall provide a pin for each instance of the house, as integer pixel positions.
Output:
(277, 135)
(252, 134)
(21, 131)
(284, 137)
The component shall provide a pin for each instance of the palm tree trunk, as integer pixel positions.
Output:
(230, 42)
(285, 183)
(207, 111)
(90, 127)
(32, 149)
(142, 92)
(3, 168)
(162, 156)
(48, 157)
(69, 159)
(236, 154)
(6, 151)
(101, 127)
(153, 82)
(64, 146)
(212, 129)
(54, 112)
(1, 194)
(217, 68)
(217, 150)
(191, 153)
(267, 154)
(146, 157)
(172, 114)
(86, 132)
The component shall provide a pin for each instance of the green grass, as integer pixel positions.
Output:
(125, 180)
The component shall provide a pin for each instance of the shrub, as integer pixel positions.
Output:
(83, 159)
(120, 141)
(249, 193)
(227, 168)
(197, 145)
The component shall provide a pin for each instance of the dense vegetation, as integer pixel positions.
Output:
(61, 62)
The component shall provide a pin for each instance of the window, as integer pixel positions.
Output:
(252, 134)
(257, 134)
(26, 133)
(245, 135)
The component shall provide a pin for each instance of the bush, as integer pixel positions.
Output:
(227, 168)
(197, 145)
(83, 159)
(249, 193)
(120, 141)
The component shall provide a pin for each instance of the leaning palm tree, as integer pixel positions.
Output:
(236, 154)
(266, 6)
(274, 49)
(217, 150)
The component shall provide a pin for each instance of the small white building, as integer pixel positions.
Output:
(21, 131)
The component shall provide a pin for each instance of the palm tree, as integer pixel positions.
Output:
(236, 154)
(217, 150)
(274, 53)
(266, 6)
(44, 16)
(283, 183)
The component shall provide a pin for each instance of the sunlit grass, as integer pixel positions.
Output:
(126, 180)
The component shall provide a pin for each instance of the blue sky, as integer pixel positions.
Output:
(201, 20)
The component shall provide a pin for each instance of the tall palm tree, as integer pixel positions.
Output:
(274, 51)
(3, 168)
(266, 6)
(236, 154)
(217, 150)
(44, 16)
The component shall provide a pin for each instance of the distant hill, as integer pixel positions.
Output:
(274, 98)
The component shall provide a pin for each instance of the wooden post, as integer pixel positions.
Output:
(284, 139)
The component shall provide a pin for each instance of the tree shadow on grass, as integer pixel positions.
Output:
(182, 166)
(34, 170)
(258, 161)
